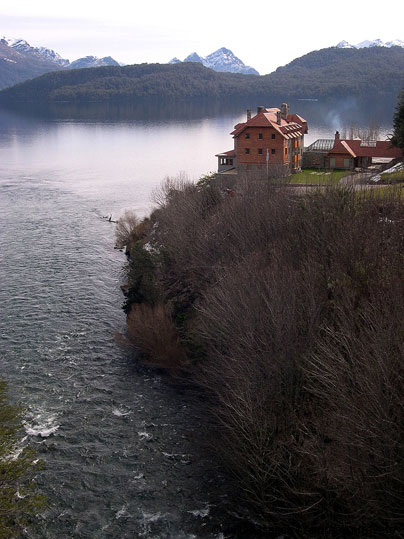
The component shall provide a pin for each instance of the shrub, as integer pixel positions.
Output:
(295, 304)
(152, 331)
(129, 230)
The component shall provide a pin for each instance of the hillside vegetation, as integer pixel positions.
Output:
(331, 72)
(188, 80)
(287, 311)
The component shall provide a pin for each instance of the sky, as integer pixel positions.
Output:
(263, 34)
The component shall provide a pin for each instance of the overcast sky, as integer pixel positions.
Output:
(262, 34)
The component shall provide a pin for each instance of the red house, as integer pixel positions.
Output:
(267, 144)
(350, 154)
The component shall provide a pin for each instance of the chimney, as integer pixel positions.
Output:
(248, 115)
(284, 110)
(278, 117)
(337, 135)
(260, 109)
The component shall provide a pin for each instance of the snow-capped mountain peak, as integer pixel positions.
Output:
(373, 43)
(345, 45)
(93, 61)
(194, 57)
(50, 54)
(395, 43)
(221, 60)
(370, 43)
(23, 47)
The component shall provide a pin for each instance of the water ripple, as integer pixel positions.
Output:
(118, 443)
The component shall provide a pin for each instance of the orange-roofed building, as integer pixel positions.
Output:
(267, 144)
(359, 153)
(350, 154)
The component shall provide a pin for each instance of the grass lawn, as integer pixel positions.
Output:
(317, 177)
(394, 177)
(387, 192)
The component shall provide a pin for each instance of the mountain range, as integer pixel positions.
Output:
(375, 43)
(334, 72)
(369, 72)
(20, 61)
(223, 60)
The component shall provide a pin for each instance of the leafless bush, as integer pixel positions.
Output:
(372, 132)
(184, 229)
(256, 323)
(357, 372)
(297, 303)
(129, 229)
(152, 331)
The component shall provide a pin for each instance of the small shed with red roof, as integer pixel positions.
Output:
(357, 153)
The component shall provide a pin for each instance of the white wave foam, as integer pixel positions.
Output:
(122, 512)
(42, 425)
(144, 435)
(200, 512)
(152, 517)
(120, 412)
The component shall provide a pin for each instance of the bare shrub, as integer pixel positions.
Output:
(297, 304)
(152, 331)
(129, 230)
(372, 132)
(183, 231)
(310, 440)
(357, 371)
(255, 327)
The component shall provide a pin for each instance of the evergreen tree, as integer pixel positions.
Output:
(18, 499)
(398, 123)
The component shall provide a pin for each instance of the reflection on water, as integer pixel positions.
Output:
(127, 150)
(326, 112)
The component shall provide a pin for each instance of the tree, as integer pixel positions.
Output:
(18, 500)
(398, 122)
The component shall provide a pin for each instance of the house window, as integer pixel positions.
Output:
(332, 162)
(286, 151)
(260, 151)
(225, 161)
(272, 151)
(346, 163)
(247, 135)
(260, 135)
(247, 150)
(273, 135)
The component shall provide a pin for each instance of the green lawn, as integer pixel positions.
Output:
(317, 177)
(393, 177)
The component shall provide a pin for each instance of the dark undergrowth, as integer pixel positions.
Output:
(288, 311)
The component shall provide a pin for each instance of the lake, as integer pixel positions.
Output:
(123, 450)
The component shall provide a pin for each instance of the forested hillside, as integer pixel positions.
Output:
(129, 82)
(375, 71)
(332, 72)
